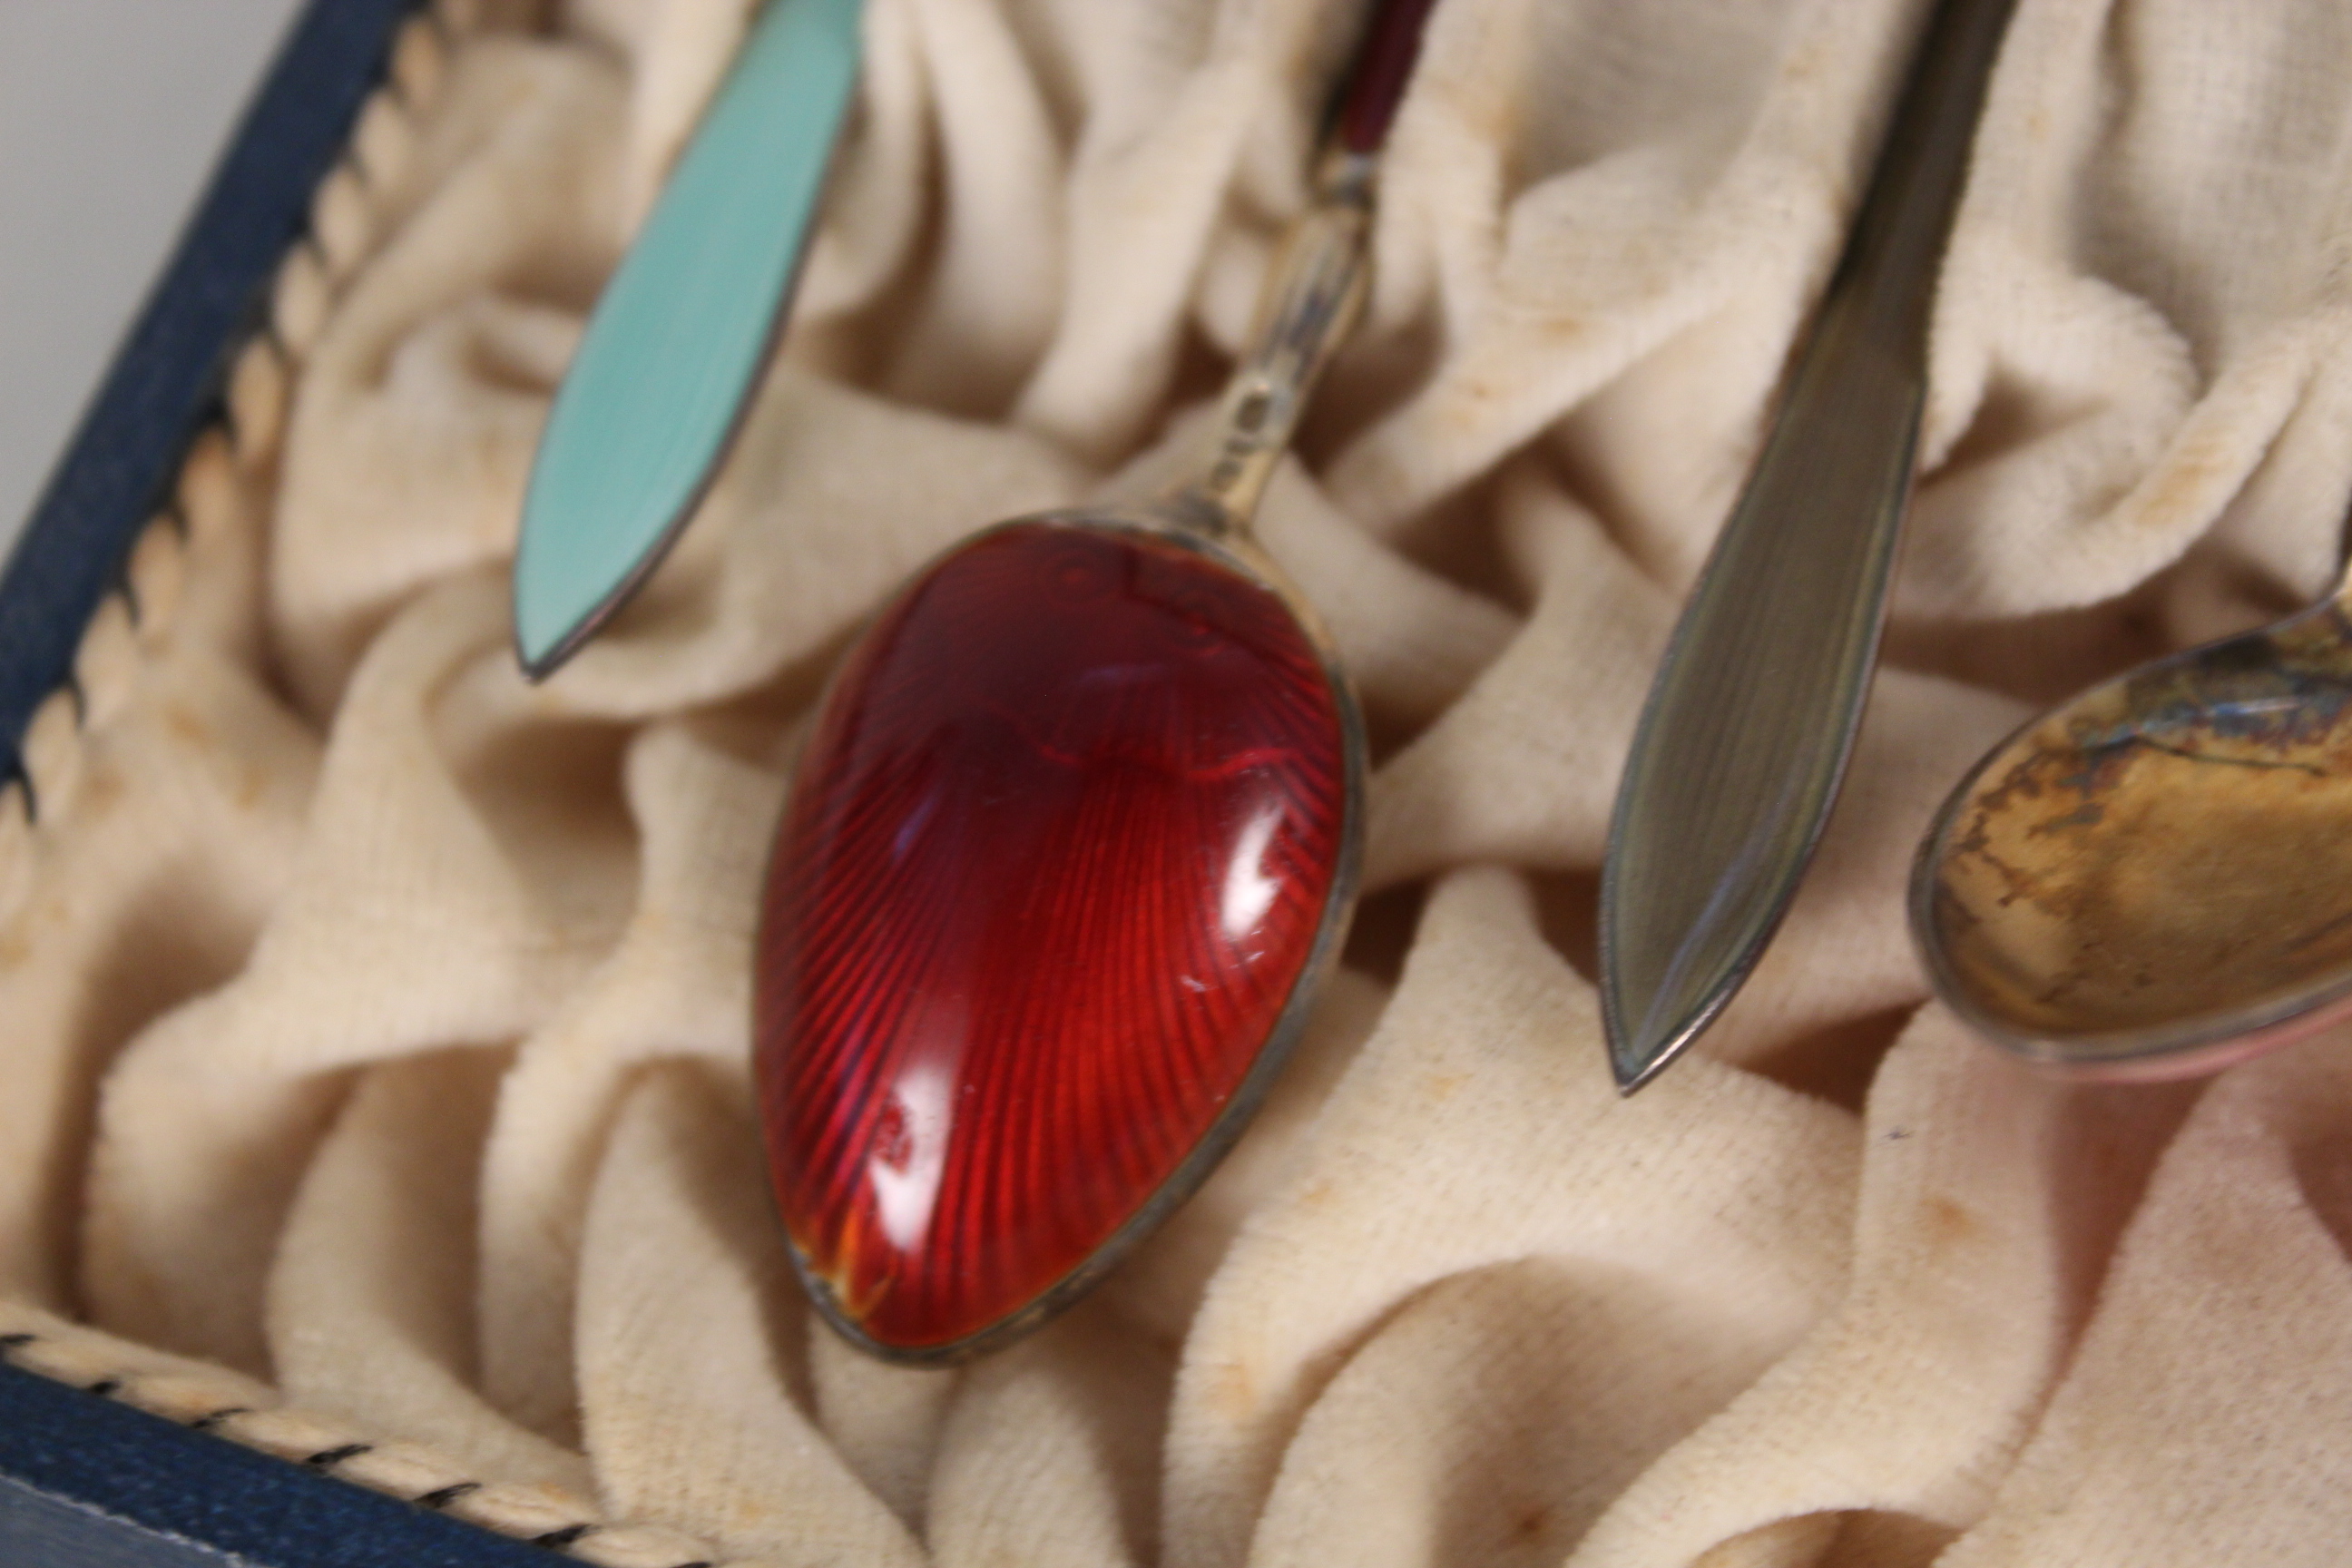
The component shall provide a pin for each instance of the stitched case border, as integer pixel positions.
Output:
(169, 380)
(89, 1429)
(103, 1460)
(65, 1456)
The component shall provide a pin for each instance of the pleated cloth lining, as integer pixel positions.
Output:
(375, 1024)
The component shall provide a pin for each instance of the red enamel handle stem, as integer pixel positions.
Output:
(1382, 66)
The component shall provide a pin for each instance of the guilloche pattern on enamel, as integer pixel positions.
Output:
(1058, 853)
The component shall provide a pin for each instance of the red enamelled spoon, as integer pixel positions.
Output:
(1071, 846)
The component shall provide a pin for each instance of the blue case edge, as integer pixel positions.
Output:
(119, 1485)
(165, 381)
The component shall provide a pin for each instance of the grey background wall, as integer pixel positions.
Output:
(110, 114)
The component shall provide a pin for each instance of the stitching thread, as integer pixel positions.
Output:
(328, 1458)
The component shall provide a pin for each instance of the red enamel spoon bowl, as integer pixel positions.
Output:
(1073, 842)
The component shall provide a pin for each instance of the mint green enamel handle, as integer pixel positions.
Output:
(675, 350)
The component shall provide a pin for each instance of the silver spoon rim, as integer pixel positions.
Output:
(2192, 1046)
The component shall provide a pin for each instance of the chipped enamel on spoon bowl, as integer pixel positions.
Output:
(2155, 879)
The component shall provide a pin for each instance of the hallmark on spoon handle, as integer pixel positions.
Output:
(1312, 298)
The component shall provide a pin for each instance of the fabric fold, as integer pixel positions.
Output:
(376, 1024)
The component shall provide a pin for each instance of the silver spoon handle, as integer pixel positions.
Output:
(1752, 717)
(1313, 297)
(1316, 290)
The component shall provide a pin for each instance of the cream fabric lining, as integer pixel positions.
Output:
(375, 1024)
